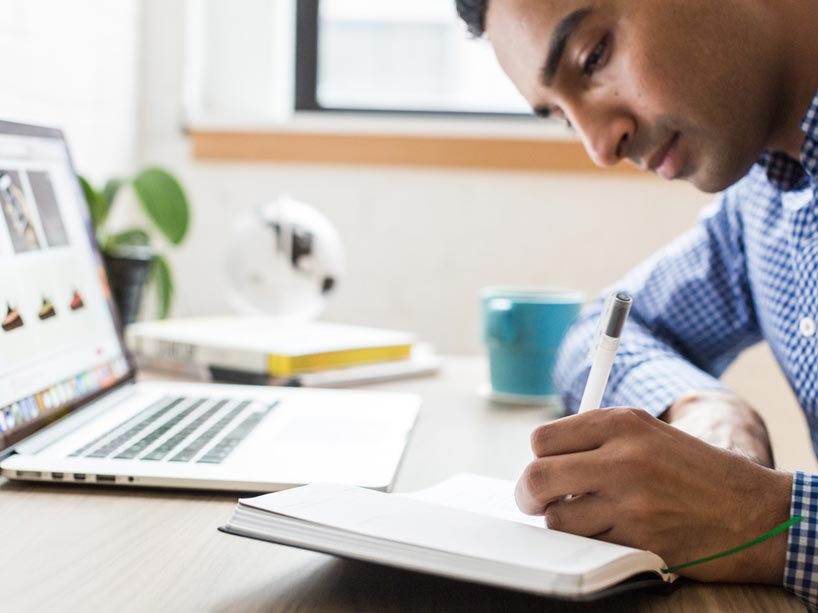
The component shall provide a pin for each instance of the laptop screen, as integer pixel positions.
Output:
(59, 342)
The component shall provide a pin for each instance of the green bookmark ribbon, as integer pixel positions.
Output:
(777, 530)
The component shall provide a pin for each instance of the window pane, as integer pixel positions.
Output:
(409, 56)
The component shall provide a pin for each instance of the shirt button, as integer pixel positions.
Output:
(807, 326)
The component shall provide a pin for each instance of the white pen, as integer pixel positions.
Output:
(611, 322)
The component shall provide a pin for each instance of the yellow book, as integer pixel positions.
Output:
(285, 365)
(275, 347)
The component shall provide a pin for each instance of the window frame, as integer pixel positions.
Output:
(222, 128)
(306, 56)
(306, 76)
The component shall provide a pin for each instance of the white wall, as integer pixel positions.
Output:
(73, 65)
(420, 243)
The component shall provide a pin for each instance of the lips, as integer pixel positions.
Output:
(667, 161)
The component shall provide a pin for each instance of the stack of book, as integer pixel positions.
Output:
(270, 351)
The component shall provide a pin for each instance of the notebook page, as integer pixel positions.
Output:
(479, 494)
(432, 526)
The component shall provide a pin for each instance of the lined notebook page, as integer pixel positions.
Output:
(433, 526)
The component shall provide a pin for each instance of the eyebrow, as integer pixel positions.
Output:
(559, 40)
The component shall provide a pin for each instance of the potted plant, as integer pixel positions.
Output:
(130, 257)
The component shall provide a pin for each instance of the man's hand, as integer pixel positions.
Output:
(649, 485)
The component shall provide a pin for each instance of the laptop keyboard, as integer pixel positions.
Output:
(181, 429)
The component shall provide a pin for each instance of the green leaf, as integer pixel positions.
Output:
(109, 193)
(161, 275)
(135, 236)
(94, 199)
(164, 202)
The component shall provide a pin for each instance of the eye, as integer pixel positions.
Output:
(595, 58)
(555, 114)
(547, 112)
(560, 116)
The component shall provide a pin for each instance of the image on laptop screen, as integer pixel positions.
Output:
(58, 340)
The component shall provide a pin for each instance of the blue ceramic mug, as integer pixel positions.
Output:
(523, 328)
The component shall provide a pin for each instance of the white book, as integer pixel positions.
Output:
(422, 361)
(265, 345)
(467, 527)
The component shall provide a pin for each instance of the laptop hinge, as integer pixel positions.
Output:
(44, 437)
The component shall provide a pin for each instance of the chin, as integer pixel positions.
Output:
(713, 182)
(709, 185)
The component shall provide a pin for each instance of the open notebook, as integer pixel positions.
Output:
(466, 527)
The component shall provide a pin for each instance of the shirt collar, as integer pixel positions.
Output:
(785, 172)
(809, 149)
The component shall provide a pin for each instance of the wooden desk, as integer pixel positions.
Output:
(92, 549)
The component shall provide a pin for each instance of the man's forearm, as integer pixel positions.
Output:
(723, 420)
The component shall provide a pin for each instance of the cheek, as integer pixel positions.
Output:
(645, 92)
(663, 99)
(660, 72)
(682, 83)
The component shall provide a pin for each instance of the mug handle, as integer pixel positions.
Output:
(499, 323)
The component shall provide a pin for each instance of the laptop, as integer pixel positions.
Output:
(71, 410)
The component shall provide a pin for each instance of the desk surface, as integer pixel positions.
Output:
(88, 549)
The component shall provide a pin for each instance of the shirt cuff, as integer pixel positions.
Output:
(801, 570)
(656, 384)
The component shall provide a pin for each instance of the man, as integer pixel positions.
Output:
(721, 94)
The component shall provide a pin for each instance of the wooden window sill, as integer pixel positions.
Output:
(475, 152)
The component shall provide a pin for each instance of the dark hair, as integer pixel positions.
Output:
(473, 12)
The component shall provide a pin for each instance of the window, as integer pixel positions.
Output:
(399, 56)
(408, 64)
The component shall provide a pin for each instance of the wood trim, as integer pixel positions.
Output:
(476, 153)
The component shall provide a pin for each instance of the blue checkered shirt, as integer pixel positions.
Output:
(747, 272)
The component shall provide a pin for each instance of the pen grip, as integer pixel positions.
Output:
(600, 371)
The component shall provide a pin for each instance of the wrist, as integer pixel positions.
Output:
(754, 506)
(769, 503)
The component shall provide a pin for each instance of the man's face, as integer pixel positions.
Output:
(673, 85)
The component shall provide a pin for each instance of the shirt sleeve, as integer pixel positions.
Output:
(692, 314)
(801, 570)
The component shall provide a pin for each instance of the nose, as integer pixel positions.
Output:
(606, 136)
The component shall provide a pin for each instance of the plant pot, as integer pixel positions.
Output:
(128, 270)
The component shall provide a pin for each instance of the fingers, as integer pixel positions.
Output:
(586, 515)
(586, 431)
(546, 480)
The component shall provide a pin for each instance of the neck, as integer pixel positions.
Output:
(797, 29)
